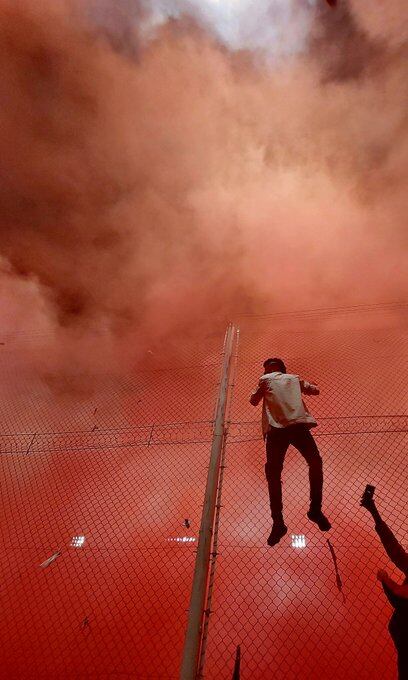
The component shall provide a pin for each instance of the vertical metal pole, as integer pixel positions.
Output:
(214, 550)
(192, 642)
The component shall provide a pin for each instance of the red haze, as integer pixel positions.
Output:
(157, 185)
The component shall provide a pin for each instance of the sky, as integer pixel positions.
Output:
(167, 166)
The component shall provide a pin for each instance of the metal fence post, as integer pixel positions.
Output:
(193, 635)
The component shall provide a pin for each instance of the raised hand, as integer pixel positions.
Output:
(367, 501)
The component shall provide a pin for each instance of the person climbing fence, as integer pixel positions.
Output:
(397, 593)
(285, 421)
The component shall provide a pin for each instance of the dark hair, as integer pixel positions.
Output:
(276, 361)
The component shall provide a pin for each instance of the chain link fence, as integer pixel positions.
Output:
(307, 609)
(102, 492)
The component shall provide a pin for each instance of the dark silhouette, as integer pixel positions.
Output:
(396, 593)
(237, 666)
(339, 582)
(285, 421)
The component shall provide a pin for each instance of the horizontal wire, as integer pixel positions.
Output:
(157, 427)
(386, 306)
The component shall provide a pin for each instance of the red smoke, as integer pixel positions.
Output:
(151, 188)
(155, 186)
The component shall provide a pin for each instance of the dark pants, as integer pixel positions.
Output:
(277, 443)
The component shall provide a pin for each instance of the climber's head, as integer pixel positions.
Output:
(274, 364)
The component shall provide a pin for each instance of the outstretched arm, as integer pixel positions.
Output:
(394, 550)
(308, 388)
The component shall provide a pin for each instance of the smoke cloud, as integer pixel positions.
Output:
(165, 166)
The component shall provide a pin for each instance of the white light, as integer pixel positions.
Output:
(298, 541)
(78, 541)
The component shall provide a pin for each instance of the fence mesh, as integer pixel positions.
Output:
(283, 604)
(102, 491)
(99, 478)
